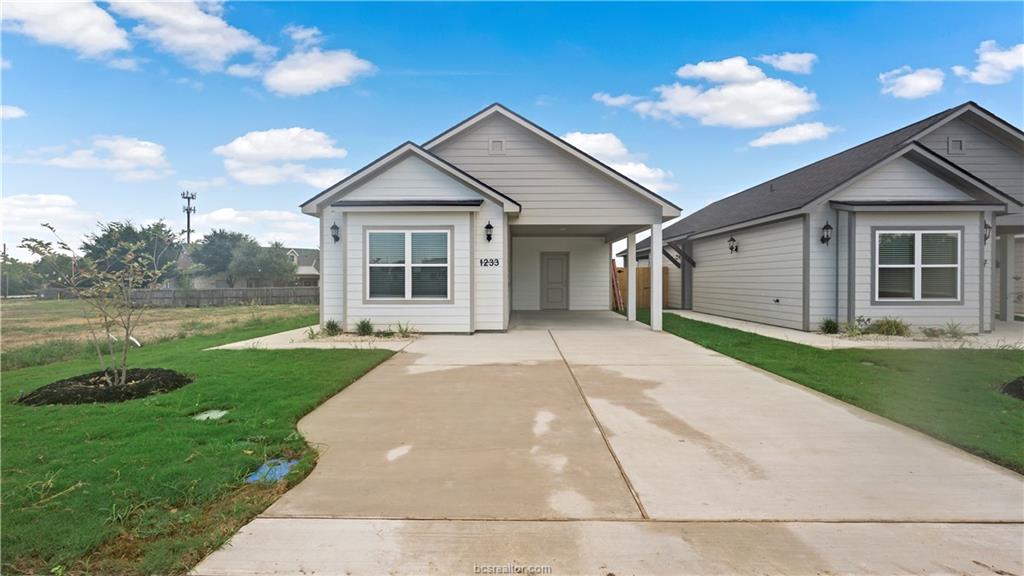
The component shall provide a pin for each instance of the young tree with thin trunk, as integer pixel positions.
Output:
(105, 283)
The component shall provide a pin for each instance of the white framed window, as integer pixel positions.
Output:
(917, 265)
(408, 264)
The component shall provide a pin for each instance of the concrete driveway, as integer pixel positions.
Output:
(585, 444)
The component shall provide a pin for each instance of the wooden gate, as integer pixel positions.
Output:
(643, 287)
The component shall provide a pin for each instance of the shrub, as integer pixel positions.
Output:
(405, 330)
(859, 326)
(364, 327)
(331, 328)
(829, 326)
(954, 330)
(889, 327)
(384, 333)
(951, 330)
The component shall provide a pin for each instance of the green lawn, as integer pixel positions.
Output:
(141, 488)
(952, 395)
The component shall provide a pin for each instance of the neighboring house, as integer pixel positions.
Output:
(307, 272)
(307, 266)
(922, 224)
(493, 215)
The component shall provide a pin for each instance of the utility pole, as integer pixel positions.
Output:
(189, 210)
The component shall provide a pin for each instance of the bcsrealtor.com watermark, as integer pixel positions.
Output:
(512, 568)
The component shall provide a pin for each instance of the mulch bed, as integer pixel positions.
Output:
(1015, 388)
(94, 387)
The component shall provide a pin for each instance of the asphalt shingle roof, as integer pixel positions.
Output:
(801, 186)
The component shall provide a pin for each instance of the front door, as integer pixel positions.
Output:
(554, 281)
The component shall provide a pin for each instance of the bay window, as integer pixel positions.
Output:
(407, 264)
(917, 265)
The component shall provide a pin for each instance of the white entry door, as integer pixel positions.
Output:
(554, 281)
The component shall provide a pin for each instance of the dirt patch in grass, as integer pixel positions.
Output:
(97, 387)
(1015, 388)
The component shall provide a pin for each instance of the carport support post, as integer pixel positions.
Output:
(631, 277)
(656, 275)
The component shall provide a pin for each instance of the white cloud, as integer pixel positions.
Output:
(795, 62)
(129, 159)
(794, 134)
(80, 26)
(604, 145)
(5, 64)
(23, 215)
(303, 36)
(8, 112)
(252, 70)
(307, 72)
(767, 102)
(995, 66)
(905, 82)
(616, 101)
(290, 228)
(741, 97)
(275, 156)
(130, 64)
(735, 69)
(195, 33)
(202, 184)
(608, 148)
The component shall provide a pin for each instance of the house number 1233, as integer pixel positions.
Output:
(490, 262)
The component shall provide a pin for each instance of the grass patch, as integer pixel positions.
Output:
(953, 395)
(139, 487)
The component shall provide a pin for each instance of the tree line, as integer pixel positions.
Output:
(232, 255)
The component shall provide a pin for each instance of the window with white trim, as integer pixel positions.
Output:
(917, 265)
(407, 265)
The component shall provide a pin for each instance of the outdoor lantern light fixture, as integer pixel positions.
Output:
(988, 231)
(489, 230)
(826, 233)
(335, 232)
(733, 246)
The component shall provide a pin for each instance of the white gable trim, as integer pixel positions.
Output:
(669, 209)
(314, 205)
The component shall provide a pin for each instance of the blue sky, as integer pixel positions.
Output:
(110, 109)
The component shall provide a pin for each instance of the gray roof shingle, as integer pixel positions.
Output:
(796, 189)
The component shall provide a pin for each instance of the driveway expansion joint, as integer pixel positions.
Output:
(600, 428)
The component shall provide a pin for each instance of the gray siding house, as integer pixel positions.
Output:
(924, 223)
(493, 215)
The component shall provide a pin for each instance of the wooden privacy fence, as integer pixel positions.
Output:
(192, 298)
(643, 287)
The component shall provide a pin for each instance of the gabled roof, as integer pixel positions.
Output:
(668, 208)
(306, 256)
(396, 155)
(795, 190)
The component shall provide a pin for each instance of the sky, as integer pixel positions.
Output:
(111, 110)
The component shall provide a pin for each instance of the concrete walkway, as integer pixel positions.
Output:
(1003, 335)
(619, 450)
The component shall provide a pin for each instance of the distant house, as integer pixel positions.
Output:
(924, 223)
(307, 272)
(307, 262)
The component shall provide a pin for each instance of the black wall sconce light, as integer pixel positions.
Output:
(733, 245)
(826, 233)
(489, 231)
(988, 231)
(335, 232)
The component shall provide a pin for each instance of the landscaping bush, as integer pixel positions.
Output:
(858, 327)
(829, 326)
(331, 328)
(405, 330)
(889, 326)
(364, 327)
(952, 330)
